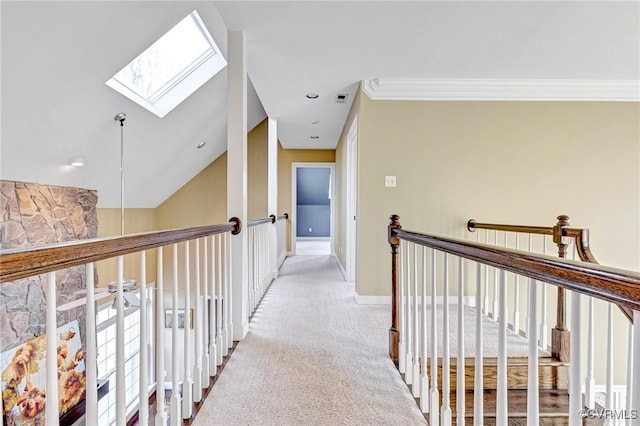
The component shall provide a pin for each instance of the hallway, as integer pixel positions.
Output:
(312, 356)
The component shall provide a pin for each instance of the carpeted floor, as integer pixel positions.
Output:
(312, 357)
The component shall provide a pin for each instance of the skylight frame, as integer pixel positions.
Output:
(182, 84)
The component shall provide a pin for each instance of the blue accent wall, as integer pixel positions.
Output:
(313, 203)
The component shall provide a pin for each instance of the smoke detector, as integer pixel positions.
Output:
(341, 98)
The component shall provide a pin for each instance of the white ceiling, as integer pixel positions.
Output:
(56, 57)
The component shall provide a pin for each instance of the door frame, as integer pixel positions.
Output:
(294, 199)
(351, 202)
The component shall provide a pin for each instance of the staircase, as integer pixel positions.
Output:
(553, 379)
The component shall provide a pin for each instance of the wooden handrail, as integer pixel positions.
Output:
(21, 263)
(609, 284)
(579, 235)
(270, 219)
(472, 225)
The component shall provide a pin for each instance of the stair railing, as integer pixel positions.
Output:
(263, 260)
(196, 262)
(426, 267)
(562, 236)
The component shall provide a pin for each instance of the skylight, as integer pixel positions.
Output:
(172, 68)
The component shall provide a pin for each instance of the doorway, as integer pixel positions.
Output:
(312, 202)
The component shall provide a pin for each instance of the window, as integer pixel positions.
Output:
(172, 68)
(106, 341)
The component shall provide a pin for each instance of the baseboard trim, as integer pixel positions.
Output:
(342, 271)
(283, 255)
(372, 300)
(240, 333)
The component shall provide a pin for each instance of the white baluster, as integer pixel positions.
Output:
(543, 305)
(446, 388)
(516, 295)
(91, 352)
(533, 405)
(221, 301)
(252, 268)
(424, 379)
(215, 354)
(501, 403)
(187, 384)
(494, 313)
(478, 385)
(609, 396)
(434, 398)
(401, 311)
(528, 313)
(590, 392)
(408, 376)
(632, 371)
(416, 327)
(197, 312)
(206, 333)
(227, 274)
(176, 416)
(143, 400)
(634, 406)
(161, 414)
(51, 405)
(121, 405)
(575, 384)
(485, 301)
(460, 368)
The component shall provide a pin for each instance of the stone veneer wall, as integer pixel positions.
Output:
(31, 215)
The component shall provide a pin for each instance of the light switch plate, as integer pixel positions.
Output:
(390, 181)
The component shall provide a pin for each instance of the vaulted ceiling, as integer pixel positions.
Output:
(56, 57)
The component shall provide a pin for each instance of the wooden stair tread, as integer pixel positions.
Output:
(493, 361)
(553, 408)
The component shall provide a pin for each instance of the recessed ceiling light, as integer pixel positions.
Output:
(77, 161)
(312, 95)
(201, 144)
(315, 137)
(315, 122)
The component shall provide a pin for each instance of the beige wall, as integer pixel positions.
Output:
(201, 201)
(339, 241)
(136, 220)
(285, 158)
(257, 174)
(501, 162)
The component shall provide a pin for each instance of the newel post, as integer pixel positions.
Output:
(560, 336)
(394, 241)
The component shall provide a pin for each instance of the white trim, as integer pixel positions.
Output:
(313, 239)
(386, 300)
(281, 258)
(372, 300)
(342, 271)
(351, 201)
(422, 89)
(294, 199)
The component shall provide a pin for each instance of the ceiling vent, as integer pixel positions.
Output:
(341, 98)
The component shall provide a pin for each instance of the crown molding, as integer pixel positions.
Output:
(422, 89)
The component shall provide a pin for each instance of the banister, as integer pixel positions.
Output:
(271, 218)
(606, 283)
(579, 235)
(472, 225)
(21, 263)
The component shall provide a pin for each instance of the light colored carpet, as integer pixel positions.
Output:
(312, 357)
(517, 346)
